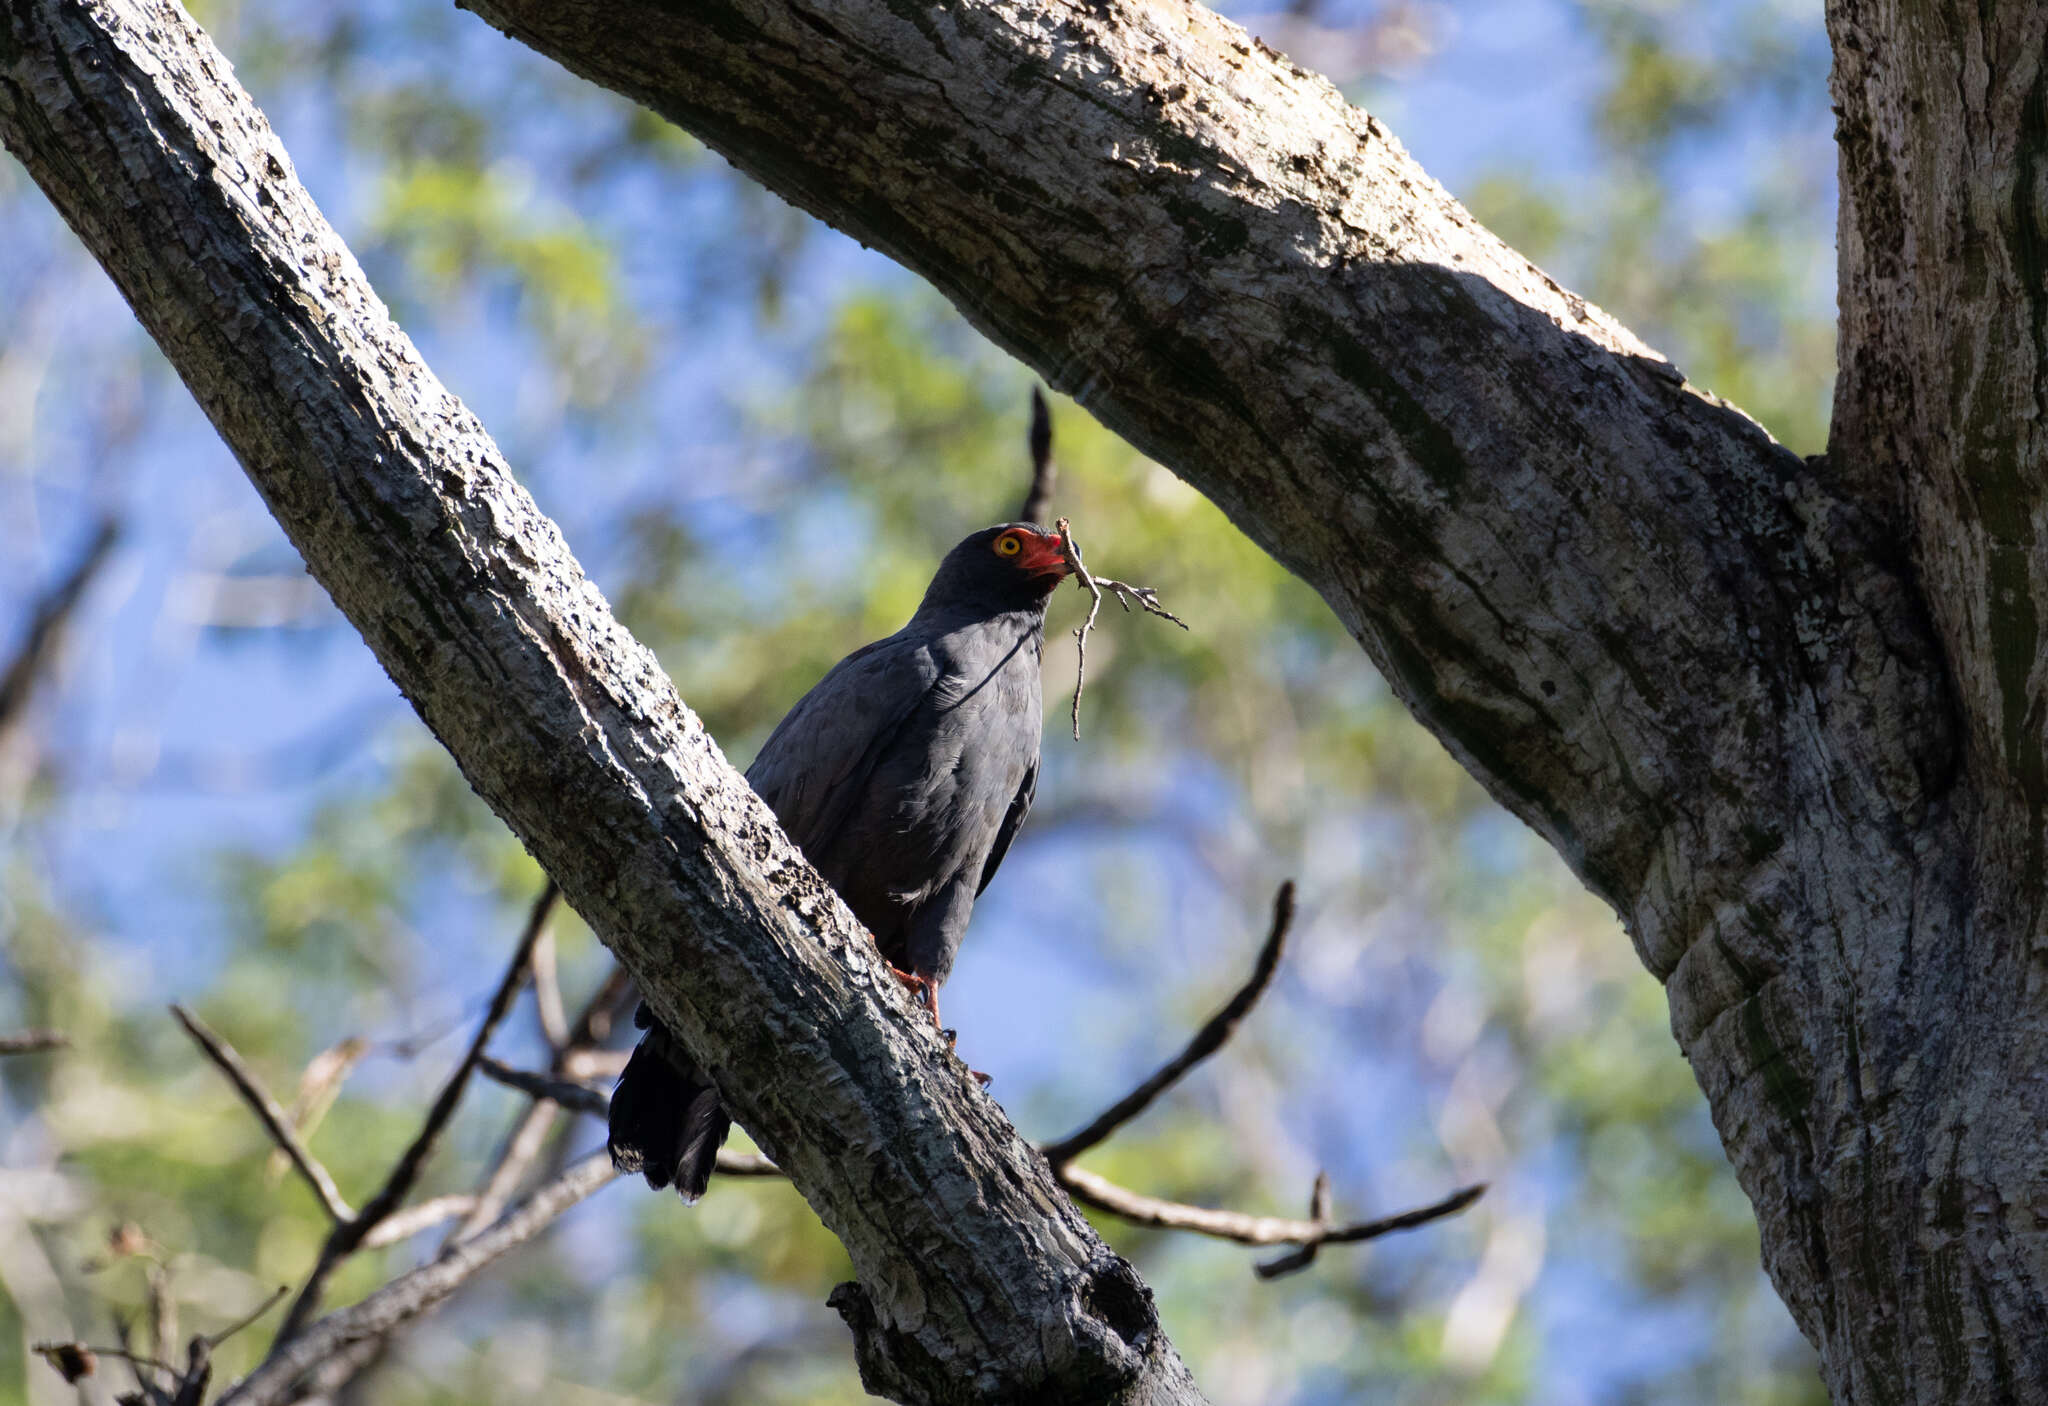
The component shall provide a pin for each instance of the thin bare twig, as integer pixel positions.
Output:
(1209, 1039)
(581, 1098)
(547, 993)
(403, 1225)
(1094, 585)
(46, 626)
(266, 1110)
(1139, 1209)
(577, 1098)
(1038, 498)
(523, 1146)
(347, 1236)
(412, 1294)
(33, 1042)
(319, 1086)
(214, 1340)
(1305, 1255)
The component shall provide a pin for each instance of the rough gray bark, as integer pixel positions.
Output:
(978, 1277)
(1786, 717)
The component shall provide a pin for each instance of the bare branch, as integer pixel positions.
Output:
(1145, 596)
(46, 626)
(348, 1235)
(1038, 498)
(410, 1295)
(214, 1340)
(577, 1098)
(547, 993)
(1305, 1255)
(266, 1110)
(403, 1225)
(33, 1042)
(1209, 1039)
(522, 1148)
(1105, 1195)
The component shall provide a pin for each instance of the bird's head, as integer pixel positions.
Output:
(1012, 566)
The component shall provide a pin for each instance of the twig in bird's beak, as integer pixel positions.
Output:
(1125, 593)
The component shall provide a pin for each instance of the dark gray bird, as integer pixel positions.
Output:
(903, 776)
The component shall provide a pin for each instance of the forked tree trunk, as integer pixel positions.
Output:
(1787, 717)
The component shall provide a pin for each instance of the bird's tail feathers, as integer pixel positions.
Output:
(666, 1121)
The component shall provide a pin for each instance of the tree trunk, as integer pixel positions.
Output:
(1787, 717)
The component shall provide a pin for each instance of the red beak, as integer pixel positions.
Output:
(1044, 559)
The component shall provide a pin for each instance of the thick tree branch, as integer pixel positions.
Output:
(974, 1266)
(1525, 515)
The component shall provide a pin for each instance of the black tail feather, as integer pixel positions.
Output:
(666, 1122)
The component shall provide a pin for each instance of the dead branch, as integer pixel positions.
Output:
(1310, 1235)
(1125, 593)
(1038, 498)
(547, 993)
(347, 1236)
(1091, 1189)
(523, 1146)
(1209, 1039)
(412, 1294)
(574, 1096)
(268, 1113)
(46, 626)
(403, 1225)
(33, 1042)
(1139, 1209)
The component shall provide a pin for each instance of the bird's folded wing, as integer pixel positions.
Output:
(814, 767)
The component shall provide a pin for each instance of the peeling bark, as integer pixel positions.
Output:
(1786, 717)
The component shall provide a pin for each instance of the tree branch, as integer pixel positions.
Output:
(46, 627)
(413, 1294)
(1207, 1040)
(409, 516)
(349, 1234)
(269, 1114)
(33, 1042)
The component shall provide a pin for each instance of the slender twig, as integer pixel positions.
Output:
(515, 1159)
(1038, 498)
(403, 1225)
(547, 993)
(33, 1042)
(1095, 585)
(214, 1340)
(581, 1098)
(577, 1098)
(46, 625)
(266, 1110)
(524, 1145)
(412, 1294)
(1105, 1195)
(347, 1236)
(1209, 1039)
(1305, 1255)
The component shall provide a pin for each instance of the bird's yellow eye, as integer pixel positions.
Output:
(1007, 545)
